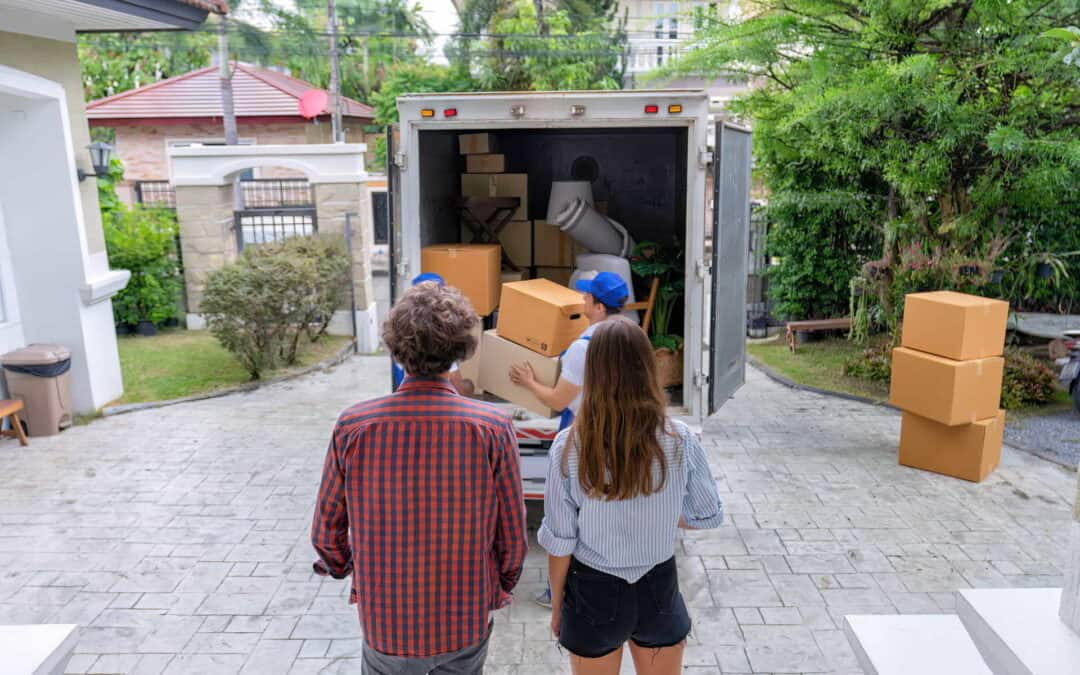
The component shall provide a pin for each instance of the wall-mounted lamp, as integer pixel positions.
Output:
(100, 157)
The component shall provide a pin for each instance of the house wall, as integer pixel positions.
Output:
(59, 62)
(142, 148)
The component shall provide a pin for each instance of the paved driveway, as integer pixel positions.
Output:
(178, 537)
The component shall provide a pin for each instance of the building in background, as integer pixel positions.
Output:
(186, 110)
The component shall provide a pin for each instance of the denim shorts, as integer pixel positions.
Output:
(600, 612)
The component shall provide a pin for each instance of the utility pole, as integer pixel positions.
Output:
(540, 25)
(335, 72)
(225, 74)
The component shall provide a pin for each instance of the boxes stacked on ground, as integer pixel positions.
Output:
(946, 377)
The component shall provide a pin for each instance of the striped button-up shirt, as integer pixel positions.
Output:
(421, 501)
(628, 538)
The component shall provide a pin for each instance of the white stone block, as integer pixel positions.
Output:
(37, 650)
(1018, 631)
(926, 644)
(1070, 595)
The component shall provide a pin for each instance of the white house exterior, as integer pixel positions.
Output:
(55, 280)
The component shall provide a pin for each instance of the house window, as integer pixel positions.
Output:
(658, 10)
(673, 21)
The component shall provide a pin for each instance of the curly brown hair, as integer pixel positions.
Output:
(430, 328)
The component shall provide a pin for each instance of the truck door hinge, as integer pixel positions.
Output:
(399, 160)
(704, 267)
(704, 158)
(701, 380)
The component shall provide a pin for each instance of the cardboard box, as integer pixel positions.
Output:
(485, 163)
(515, 239)
(552, 247)
(541, 315)
(470, 368)
(970, 451)
(509, 277)
(946, 391)
(955, 325)
(498, 185)
(497, 355)
(477, 144)
(558, 275)
(474, 269)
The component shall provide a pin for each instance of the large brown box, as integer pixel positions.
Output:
(969, 451)
(946, 391)
(498, 185)
(474, 269)
(541, 315)
(516, 240)
(497, 355)
(485, 163)
(477, 144)
(553, 247)
(955, 325)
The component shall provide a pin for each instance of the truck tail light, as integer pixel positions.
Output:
(450, 112)
(427, 112)
(652, 109)
(674, 109)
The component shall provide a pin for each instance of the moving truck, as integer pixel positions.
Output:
(649, 154)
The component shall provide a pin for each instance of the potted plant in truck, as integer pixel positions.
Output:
(652, 260)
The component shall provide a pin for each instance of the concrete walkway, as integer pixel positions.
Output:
(178, 537)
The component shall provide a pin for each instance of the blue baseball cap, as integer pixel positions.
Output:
(607, 287)
(428, 276)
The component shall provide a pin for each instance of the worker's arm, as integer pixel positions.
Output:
(556, 398)
(464, 387)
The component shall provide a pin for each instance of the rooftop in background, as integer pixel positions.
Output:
(259, 94)
(61, 19)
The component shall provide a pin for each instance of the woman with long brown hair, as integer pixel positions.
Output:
(622, 480)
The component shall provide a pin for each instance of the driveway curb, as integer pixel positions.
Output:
(342, 354)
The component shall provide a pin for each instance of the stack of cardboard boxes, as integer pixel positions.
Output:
(946, 378)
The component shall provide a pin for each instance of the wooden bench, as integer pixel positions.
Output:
(796, 327)
(10, 408)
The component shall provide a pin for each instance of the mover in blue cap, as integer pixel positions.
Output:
(464, 387)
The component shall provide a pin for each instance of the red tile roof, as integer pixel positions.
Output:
(257, 92)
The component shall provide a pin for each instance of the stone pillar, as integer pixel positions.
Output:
(333, 202)
(207, 239)
(1070, 595)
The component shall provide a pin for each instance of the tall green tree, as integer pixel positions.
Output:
(116, 62)
(950, 126)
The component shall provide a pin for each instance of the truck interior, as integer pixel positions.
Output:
(640, 175)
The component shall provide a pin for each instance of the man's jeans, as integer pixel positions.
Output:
(468, 661)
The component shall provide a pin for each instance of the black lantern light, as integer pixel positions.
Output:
(100, 158)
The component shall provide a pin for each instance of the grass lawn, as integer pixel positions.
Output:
(818, 364)
(178, 363)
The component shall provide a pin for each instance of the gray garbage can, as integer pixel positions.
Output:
(39, 375)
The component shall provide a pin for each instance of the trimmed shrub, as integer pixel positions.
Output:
(1027, 381)
(260, 307)
(143, 241)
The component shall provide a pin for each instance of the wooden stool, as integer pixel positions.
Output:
(10, 408)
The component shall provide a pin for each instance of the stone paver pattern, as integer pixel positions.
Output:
(178, 537)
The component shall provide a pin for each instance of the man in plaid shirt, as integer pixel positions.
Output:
(421, 501)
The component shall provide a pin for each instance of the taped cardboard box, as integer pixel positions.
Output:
(515, 238)
(477, 144)
(498, 185)
(969, 451)
(485, 163)
(497, 355)
(470, 367)
(541, 315)
(946, 391)
(474, 269)
(553, 247)
(955, 325)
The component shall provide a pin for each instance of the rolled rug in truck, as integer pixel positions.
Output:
(594, 231)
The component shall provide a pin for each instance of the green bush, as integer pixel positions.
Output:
(260, 307)
(1027, 381)
(873, 363)
(143, 241)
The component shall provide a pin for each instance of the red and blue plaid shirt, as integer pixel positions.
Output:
(421, 501)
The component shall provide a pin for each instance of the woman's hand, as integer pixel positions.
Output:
(556, 619)
(522, 375)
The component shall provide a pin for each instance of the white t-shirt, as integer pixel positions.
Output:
(573, 365)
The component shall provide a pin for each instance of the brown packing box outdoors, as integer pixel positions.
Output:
(970, 451)
(955, 325)
(498, 185)
(477, 144)
(485, 163)
(553, 247)
(470, 367)
(474, 269)
(946, 391)
(497, 355)
(541, 315)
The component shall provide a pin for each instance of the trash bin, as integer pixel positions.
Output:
(39, 375)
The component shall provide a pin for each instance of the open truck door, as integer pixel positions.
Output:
(730, 235)
(393, 220)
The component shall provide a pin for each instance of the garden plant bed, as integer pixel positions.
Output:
(818, 364)
(177, 364)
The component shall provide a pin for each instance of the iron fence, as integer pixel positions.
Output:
(265, 226)
(155, 193)
(276, 193)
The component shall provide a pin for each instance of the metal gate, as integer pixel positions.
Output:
(275, 209)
